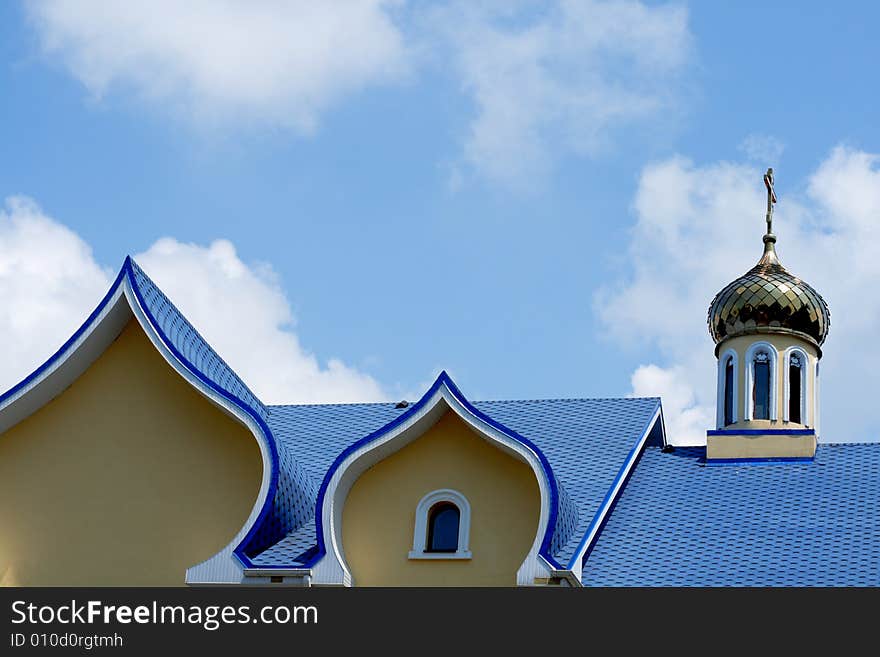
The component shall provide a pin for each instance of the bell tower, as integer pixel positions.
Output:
(768, 326)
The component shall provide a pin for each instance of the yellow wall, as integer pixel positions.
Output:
(746, 447)
(379, 514)
(127, 478)
(741, 344)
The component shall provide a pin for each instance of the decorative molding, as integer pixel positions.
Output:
(760, 432)
(420, 534)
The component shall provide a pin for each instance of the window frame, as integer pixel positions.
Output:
(772, 359)
(729, 355)
(421, 531)
(806, 363)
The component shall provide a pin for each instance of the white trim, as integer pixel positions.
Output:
(417, 555)
(75, 360)
(722, 387)
(816, 415)
(806, 365)
(332, 568)
(749, 405)
(420, 534)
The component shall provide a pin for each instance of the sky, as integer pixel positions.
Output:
(540, 198)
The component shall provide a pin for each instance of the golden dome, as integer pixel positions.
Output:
(768, 299)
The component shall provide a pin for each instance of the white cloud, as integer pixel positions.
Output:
(560, 78)
(281, 62)
(546, 79)
(765, 150)
(683, 415)
(243, 313)
(50, 282)
(698, 227)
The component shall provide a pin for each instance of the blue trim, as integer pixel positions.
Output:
(442, 380)
(761, 432)
(768, 460)
(67, 345)
(622, 475)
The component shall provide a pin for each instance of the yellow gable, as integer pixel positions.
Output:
(378, 520)
(128, 477)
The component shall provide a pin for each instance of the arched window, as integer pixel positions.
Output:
(761, 386)
(442, 527)
(728, 395)
(761, 382)
(729, 384)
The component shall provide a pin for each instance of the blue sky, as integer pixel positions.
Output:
(429, 203)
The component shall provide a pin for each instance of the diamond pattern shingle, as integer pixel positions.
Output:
(680, 522)
(768, 296)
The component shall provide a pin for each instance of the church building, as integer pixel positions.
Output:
(136, 456)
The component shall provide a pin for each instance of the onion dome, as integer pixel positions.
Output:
(769, 299)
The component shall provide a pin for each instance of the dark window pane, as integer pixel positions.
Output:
(761, 391)
(728, 392)
(794, 393)
(443, 528)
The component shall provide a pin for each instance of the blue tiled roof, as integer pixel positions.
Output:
(585, 440)
(680, 522)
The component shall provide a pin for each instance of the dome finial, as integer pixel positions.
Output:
(769, 237)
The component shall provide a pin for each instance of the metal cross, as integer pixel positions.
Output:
(771, 199)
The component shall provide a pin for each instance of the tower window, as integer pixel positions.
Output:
(443, 528)
(761, 386)
(794, 391)
(728, 392)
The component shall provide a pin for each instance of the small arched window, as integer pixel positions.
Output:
(761, 386)
(795, 392)
(729, 383)
(442, 526)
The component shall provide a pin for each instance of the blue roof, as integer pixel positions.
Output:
(585, 441)
(680, 522)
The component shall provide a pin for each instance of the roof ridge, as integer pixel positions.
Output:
(138, 270)
(479, 401)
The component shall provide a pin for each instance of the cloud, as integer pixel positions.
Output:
(243, 313)
(682, 414)
(546, 80)
(561, 78)
(762, 149)
(50, 282)
(282, 63)
(698, 227)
